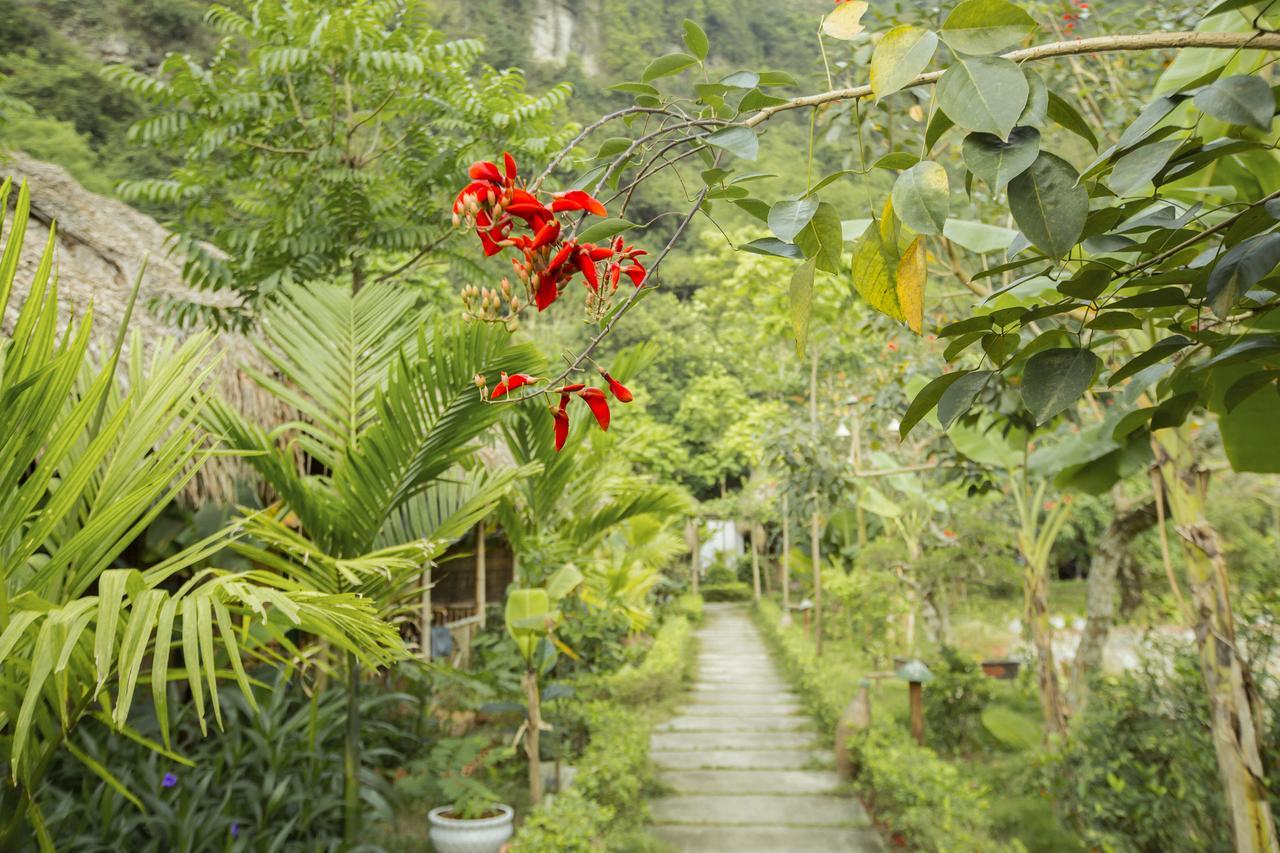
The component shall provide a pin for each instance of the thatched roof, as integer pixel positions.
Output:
(101, 243)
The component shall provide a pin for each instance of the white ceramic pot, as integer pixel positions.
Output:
(481, 835)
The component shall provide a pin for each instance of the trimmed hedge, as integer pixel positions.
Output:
(917, 794)
(607, 794)
(728, 591)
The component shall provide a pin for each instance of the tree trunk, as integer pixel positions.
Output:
(786, 559)
(695, 555)
(351, 753)
(755, 562)
(1109, 558)
(764, 545)
(1234, 710)
(815, 545)
(533, 731)
(1052, 702)
(481, 573)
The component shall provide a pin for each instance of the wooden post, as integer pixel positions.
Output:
(755, 562)
(425, 619)
(786, 561)
(764, 574)
(695, 555)
(917, 711)
(481, 572)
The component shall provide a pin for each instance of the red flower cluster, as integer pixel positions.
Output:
(595, 398)
(497, 204)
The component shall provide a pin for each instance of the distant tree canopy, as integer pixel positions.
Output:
(317, 136)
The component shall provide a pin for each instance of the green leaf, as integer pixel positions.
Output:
(739, 141)
(896, 160)
(1054, 379)
(758, 100)
(776, 78)
(604, 229)
(635, 89)
(564, 581)
(1248, 385)
(1048, 205)
(1243, 266)
(958, 397)
(939, 123)
(899, 58)
(976, 323)
(1140, 166)
(922, 197)
(1172, 413)
(773, 247)
(997, 162)
(787, 218)
(986, 26)
(741, 80)
(1036, 112)
(1249, 349)
(801, 292)
(1162, 350)
(665, 66)
(1240, 99)
(1131, 422)
(978, 236)
(925, 401)
(754, 206)
(695, 39)
(822, 238)
(985, 93)
(527, 609)
(1068, 117)
(1151, 115)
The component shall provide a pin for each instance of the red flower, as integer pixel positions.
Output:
(561, 418)
(599, 405)
(485, 171)
(506, 384)
(616, 388)
(577, 200)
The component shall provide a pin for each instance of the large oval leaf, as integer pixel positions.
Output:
(922, 197)
(986, 93)
(925, 401)
(1054, 379)
(1242, 99)
(1140, 166)
(845, 20)
(997, 162)
(986, 26)
(739, 141)
(1240, 268)
(787, 218)
(899, 58)
(1048, 205)
(959, 396)
(665, 66)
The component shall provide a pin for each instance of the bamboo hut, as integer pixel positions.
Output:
(100, 246)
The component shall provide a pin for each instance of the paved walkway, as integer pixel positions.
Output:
(746, 769)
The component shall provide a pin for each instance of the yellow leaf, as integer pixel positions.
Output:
(912, 271)
(873, 277)
(845, 21)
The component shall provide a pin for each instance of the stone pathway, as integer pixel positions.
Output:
(746, 769)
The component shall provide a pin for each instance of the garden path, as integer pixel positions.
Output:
(745, 768)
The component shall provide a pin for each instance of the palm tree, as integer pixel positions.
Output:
(86, 463)
(379, 473)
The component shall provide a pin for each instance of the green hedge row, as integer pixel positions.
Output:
(921, 797)
(607, 794)
(728, 591)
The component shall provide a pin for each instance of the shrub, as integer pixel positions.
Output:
(1138, 772)
(607, 794)
(954, 701)
(921, 796)
(689, 606)
(911, 789)
(728, 591)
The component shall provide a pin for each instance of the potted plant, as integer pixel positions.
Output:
(474, 821)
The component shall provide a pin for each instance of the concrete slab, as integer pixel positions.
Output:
(790, 782)
(762, 839)
(732, 723)
(731, 740)
(741, 759)
(770, 810)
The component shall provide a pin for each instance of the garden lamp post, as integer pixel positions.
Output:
(805, 607)
(916, 674)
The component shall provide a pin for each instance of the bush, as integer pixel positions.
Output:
(911, 789)
(921, 796)
(728, 591)
(954, 701)
(689, 606)
(606, 796)
(1139, 773)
